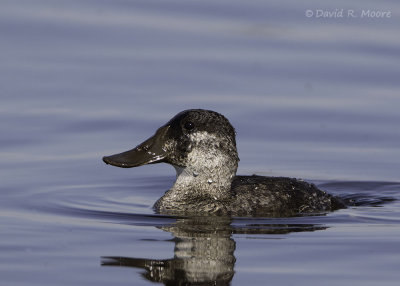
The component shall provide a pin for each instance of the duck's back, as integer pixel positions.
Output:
(279, 196)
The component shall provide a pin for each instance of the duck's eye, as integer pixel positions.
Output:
(188, 125)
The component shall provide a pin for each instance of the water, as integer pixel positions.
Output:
(314, 98)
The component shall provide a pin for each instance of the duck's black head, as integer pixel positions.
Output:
(193, 138)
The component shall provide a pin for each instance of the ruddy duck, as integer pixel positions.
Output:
(201, 145)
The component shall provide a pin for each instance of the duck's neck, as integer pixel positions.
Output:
(209, 175)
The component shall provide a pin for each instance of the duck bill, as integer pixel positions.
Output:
(149, 152)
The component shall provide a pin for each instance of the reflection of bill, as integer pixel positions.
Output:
(204, 251)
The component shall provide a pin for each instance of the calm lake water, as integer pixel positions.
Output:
(313, 92)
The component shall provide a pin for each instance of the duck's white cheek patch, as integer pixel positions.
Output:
(205, 152)
(202, 136)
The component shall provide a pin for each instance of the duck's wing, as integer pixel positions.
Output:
(280, 196)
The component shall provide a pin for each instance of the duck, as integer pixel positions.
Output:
(201, 145)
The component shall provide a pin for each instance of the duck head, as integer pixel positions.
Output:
(199, 143)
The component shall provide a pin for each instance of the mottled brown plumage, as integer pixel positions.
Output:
(201, 145)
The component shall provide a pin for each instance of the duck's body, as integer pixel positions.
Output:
(253, 196)
(201, 145)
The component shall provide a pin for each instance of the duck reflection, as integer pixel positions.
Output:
(204, 251)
